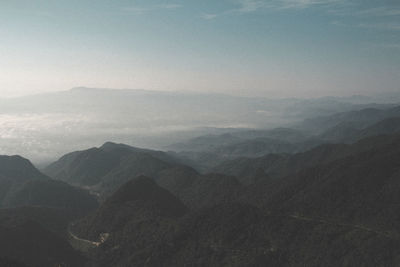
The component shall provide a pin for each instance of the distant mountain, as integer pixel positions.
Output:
(212, 142)
(23, 185)
(387, 126)
(250, 170)
(357, 119)
(85, 117)
(345, 132)
(205, 152)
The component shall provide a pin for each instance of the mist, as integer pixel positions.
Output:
(45, 126)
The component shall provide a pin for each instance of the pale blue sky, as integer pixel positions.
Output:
(275, 48)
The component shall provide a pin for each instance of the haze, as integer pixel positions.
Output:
(279, 48)
(197, 67)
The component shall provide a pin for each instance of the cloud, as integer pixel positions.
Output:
(379, 12)
(209, 16)
(249, 6)
(387, 46)
(339, 23)
(301, 4)
(389, 26)
(359, 12)
(141, 9)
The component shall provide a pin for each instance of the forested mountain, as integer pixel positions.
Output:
(280, 197)
(22, 184)
(338, 210)
(36, 236)
(104, 169)
(35, 214)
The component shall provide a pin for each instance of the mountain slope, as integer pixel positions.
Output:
(21, 184)
(37, 236)
(106, 168)
(32, 244)
(357, 118)
(135, 218)
(361, 188)
(248, 170)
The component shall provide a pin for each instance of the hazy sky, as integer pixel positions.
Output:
(247, 47)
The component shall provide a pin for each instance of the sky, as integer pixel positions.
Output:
(270, 48)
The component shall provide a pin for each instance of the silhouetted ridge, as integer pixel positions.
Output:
(110, 146)
(18, 168)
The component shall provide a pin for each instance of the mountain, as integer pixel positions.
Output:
(209, 190)
(19, 168)
(85, 117)
(192, 188)
(205, 152)
(23, 185)
(135, 218)
(339, 211)
(249, 170)
(359, 189)
(36, 236)
(82, 167)
(345, 132)
(106, 168)
(5, 262)
(53, 219)
(15, 170)
(211, 142)
(243, 235)
(358, 119)
(51, 193)
(334, 205)
(33, 245)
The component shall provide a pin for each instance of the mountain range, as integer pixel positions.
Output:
(289, 196)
